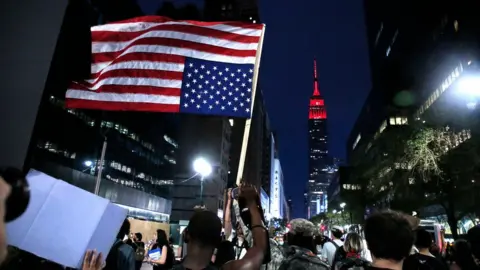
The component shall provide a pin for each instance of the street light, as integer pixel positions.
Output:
(342, 205)
(204, 169)
(334, 211)
(88, 163)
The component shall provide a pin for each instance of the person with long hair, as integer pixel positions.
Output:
(166, 252)
(462, 256)
(350, 254)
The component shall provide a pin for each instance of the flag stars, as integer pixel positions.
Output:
(249, 80)
(251, 71)
(185, 105)
(215, 68)
(214, 78)
(210, 107)
(218, 92)
(225, 79)
(249, 90)
(230, 93)
(242, 94)
(208, 72)
(201, 76)
(202, 66)
(189, 75)
(227, 69)
(204, 102)
(223, 108)
(198, 106)
(217, 102)
(220, 73)
(219, 83)
(186, 95)
(200, 86)
(235, 98)
(236, 89)
(229, 103)
(247, 110)
(193, 91)
(187, 85)
(248, 99)
(239, 70)
(241, 104)
(211, 96)
(224, 97)
(235, 109)
(196, 71)
(207, 82)
(199, 96)
(212, 87)
(244, 75)
(244, 84)
(237, 79)
(231, 84)
(192, 100)
(194, 81)
(232, 75)
(205, 92)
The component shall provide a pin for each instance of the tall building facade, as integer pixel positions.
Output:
(318, 181)
(419, 51)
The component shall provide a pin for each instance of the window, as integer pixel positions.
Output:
(398, 121)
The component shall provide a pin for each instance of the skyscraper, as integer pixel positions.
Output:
(318, 181)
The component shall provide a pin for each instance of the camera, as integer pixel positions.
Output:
(17, 201)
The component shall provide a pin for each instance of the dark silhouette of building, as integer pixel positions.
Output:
(418, 51)
(319, 162)
(237, 10)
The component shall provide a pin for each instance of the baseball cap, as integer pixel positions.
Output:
(302, 226)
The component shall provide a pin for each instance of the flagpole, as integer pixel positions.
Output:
(100, 168)
(248, 122)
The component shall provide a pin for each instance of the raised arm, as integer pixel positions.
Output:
(228, 218)
(254, 257)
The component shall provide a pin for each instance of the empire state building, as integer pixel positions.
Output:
(319, 177)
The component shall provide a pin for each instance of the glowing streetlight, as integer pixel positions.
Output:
(204, 169)
(342, 205)
(88, 163)
(334, 211)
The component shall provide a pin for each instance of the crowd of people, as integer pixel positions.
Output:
(389, 240)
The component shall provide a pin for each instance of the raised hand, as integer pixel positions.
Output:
(92, 260)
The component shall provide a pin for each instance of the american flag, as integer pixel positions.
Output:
(156, 64)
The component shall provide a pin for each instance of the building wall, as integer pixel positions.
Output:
(278, 197)
(209, 138)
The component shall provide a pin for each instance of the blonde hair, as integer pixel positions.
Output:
(353, 243)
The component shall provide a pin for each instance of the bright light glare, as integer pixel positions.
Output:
(202, 167)
(342, 205)
(334, 211)
(88, 163)
(469, 85)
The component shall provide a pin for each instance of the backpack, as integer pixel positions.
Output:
(112, 257)
(351, 264)
(140, 251)
(303, 261)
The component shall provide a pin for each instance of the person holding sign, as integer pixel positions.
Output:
(161, 255)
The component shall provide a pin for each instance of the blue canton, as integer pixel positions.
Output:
(216, 88)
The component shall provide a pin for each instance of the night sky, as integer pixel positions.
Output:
(334, 32)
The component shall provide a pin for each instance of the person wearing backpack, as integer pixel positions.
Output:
(349, 256)
(121, 255)
(140, 250)
(423, 259)
(301, 253)
(329, 248)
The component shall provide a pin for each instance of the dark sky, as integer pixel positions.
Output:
(334, 32)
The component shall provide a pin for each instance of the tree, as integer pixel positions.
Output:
(414, 166)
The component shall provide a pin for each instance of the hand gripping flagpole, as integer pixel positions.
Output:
(248, 122)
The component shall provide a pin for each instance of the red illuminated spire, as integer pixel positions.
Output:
(317, 104)
(316, 92)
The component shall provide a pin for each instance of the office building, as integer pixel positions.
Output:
(319, 162)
